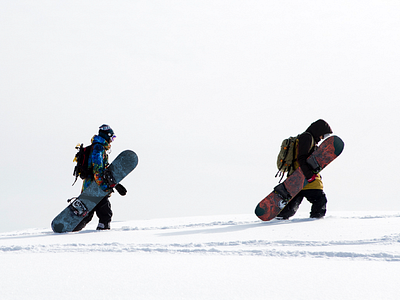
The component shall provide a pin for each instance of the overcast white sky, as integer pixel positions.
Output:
(203, 92)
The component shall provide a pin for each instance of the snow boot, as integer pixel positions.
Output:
(103, 226)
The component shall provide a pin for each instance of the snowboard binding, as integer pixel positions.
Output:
(78, 207)
(312, 162)
(109, 179)
(282, 192)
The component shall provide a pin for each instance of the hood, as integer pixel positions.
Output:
(319, 128)
(100, 140)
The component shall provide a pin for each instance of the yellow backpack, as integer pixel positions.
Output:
(287, 156)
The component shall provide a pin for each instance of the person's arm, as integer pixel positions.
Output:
(98, 165)
(303, 152)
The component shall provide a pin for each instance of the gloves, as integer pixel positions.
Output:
(120, 189)
(312, 178)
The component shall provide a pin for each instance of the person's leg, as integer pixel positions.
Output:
(104, 213)
(83, 223)
(291, 208)
(318, 200)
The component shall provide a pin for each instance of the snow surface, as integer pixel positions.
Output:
(346, 255)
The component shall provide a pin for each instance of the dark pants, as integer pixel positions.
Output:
(103, 212)
(316, 197)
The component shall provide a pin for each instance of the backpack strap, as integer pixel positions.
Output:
(312, 141)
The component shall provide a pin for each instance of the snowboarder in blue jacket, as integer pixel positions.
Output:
(98, 160)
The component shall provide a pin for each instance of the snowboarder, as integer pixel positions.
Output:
(98, 160)
(313, 191)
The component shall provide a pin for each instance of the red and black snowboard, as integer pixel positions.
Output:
(271, 205)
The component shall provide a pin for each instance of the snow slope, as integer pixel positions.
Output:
(351, 255)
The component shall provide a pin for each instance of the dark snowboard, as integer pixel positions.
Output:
(271, 205)
(74, 213)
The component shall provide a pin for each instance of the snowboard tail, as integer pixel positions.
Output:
(82, 205)
(283, 193)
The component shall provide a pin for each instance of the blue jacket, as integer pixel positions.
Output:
(98, 159)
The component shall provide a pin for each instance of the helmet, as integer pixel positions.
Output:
(106, 133)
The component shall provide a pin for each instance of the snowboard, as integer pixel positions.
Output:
(79, 207)
(271, 205)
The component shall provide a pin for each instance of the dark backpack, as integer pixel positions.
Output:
(82, 169)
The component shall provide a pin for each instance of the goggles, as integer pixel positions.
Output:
(112, 136)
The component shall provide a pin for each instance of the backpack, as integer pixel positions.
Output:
(82, 162)
(286, 157)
